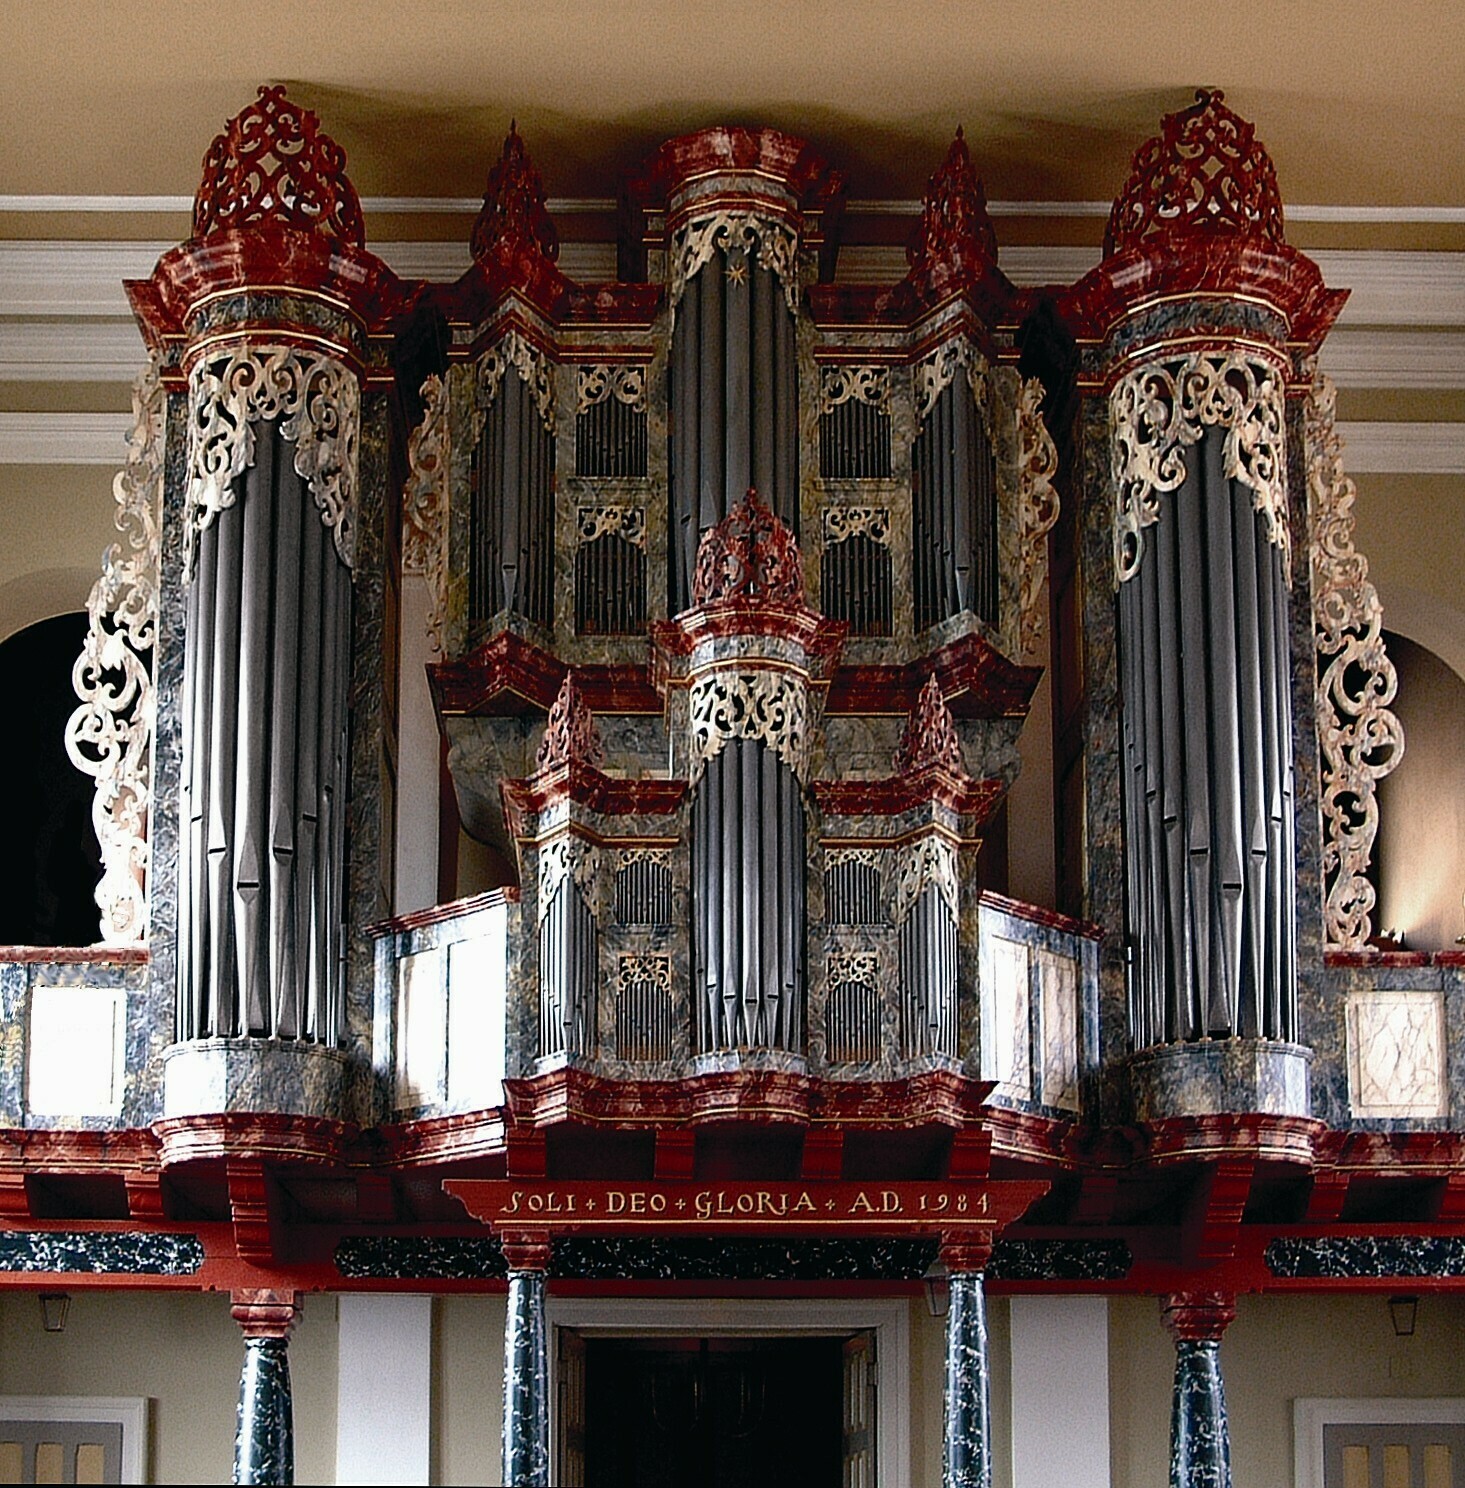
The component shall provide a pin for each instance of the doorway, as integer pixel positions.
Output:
(723, 1412)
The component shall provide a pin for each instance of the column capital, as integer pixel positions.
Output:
(1198, 1317)
(526, 1249)
(263, 1313)
(966, 1250)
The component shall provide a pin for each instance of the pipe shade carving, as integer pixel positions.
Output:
(110, 736)
(1361, 739)
(265, 735)
(1207, 764)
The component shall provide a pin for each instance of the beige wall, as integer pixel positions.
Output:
(1277, 1350)
(184, 1351)
(468, 1388)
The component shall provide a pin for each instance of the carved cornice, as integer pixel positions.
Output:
(318, 401)
(425, 504)
(1204, 172)
(1361, 739)
(1158, 411)
(274, 165)
(110, 736)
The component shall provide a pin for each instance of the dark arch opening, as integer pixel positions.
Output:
(51, 865)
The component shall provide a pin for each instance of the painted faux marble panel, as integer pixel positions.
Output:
(422, 1051)
(1006, 1034)
(99, 1253)
(1396, 1053)
(1058, 987)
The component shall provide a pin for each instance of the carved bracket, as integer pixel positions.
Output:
(1360, 738)
(425, 504)
(1037, 508)
(110, 736)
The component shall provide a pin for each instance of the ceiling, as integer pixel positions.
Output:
(1359, 103)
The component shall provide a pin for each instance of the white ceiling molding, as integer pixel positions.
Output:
(1403, 448)
(580, 206)
(1415, 360)
(78, 351)
(64, 438)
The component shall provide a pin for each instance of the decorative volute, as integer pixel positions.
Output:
(1205, 171)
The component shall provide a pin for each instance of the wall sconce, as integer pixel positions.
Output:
(1402, 1312)
(54, 1307)
(938, 1291)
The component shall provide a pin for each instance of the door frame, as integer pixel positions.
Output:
(1311, 1414)
(760, 1317)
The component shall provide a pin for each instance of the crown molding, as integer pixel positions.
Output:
(1403, 448)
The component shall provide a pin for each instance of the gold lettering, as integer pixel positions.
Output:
(702, 1204)
(889, 1201)
(615, 1202)
(804, 1204)
(536, 1203)
(861, 1205)
(514, 1202)
(658, 1203)
(745, 1203)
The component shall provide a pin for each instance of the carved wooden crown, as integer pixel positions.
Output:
(273, 165)
(750, 554)
(955, 231)
(514, 217)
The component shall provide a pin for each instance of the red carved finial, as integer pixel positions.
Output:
(514, 218)
(274, 165)
(1204, 172)
(930, 735)
(570, 736)
(955, 229)
(750, 554)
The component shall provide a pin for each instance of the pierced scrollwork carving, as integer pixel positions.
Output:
(572, 856)
(840, 384)
(636, 971)
(859, 967)
(659, 857)
(535, 370)
(749, 554)
(772, 243)
(274, 164)
(604, 380)
(626, 522)
(838, 857)
(110, 736)
(844, 522)
(570, 734)
(927, 861)
(1037, 508)
(930, 735)
(934, 373)
(425, 504)
(319, 402)
(767, 706)
(1360, 738)
(1160, 409)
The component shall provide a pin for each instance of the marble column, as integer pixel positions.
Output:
(967, 1433)
(526, 1364)
(264, 1437)
(1200, 1442)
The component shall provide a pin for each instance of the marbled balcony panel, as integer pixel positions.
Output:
(210, 1076)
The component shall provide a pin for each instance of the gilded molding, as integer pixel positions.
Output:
(1159, 410)
(599, 382)
(110, 736)
(773, 243)
(841, 384)
(535, 371)
(425, 504)
(1037, 509)
(317, 399)
(767, 706)
(1360, 738)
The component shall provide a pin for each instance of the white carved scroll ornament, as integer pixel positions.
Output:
(535, 370)
(934, 373)
(771, 707)
(844, 522)
(625, 522)
(926, 861)
(318, 401)
(773, 244)
(1361, 740)
(110, 736)
(425, 504)
(859, 967)
(597, 383)
(842, 384)
(1037, 508)
(569, 855)
(1159, 410)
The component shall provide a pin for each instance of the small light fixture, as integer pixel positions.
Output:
(938, 1289)
(1402, 1312)
(54, 1307)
